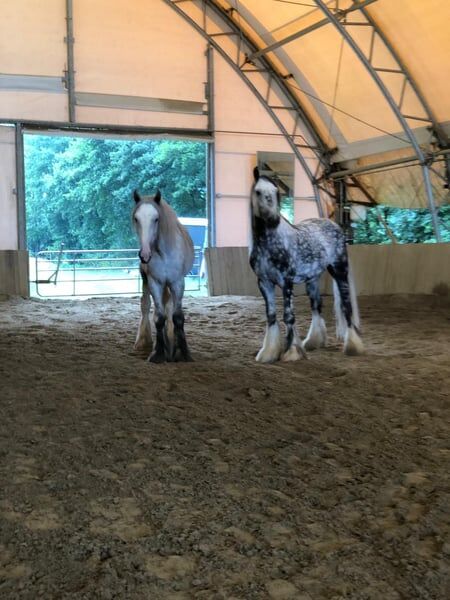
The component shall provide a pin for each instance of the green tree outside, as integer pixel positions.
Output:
(412, 226)
(79, 190)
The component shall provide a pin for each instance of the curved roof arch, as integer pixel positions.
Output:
(356, 89)
(362, 76)
(261, 77)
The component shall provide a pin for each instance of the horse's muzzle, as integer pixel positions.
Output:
(145, 259)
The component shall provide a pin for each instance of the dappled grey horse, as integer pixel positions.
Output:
(166, 256)
(283, 254)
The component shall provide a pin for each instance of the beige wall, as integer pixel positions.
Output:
(121, 48)
(8, 201)
(238, 111)
(387, 269)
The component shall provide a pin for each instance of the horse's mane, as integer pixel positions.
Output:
(168, 222)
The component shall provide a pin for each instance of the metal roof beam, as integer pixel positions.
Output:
(265, 66)
(405, 160)
(294, 36)
(270, 75)
(439, 132)
(372, 71)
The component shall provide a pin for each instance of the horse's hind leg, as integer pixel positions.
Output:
(346, 309)
(294, 349)
(271, 348)
(180, 348)
(144, 339)
(317, 334)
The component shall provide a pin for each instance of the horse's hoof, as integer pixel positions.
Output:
(266, 357)
(157, 358)
(314, 343)
(317, 335)
(353, 345)
(179, 356)
(310, 345)
(143, 346)
(294, 353)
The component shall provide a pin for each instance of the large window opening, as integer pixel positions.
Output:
(79, 202)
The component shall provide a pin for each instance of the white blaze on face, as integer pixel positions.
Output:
(146, 223)
(264, 199)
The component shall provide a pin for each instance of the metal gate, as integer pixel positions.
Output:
(64, 273)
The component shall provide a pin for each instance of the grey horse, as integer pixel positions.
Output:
(283, 255)
(166, 256)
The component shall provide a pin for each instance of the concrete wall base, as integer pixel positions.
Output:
(378, 270)
(14, 273)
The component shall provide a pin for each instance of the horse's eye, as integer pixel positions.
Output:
(258, 193)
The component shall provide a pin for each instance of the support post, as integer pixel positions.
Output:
(211, 150)
(20, 188)
(447, 172)
(431, 204)
(343, 211)
(70, 72)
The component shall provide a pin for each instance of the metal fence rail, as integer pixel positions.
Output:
(63, 273)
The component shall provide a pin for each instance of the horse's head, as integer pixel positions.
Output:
(146, 222)
(265, 198)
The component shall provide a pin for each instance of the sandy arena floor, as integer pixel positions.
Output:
(223, 478)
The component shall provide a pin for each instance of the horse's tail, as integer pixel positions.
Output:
(341, 322)
(353, 344)
(353, 298)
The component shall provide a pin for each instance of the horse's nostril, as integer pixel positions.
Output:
(143, 259)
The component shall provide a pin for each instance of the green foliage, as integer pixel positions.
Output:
(287, 208)
(408, 226)
(79, 190)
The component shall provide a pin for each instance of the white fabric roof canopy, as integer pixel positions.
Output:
(346, 88)
(406, 46)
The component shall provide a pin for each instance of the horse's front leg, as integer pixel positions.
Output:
(294, 349)
(144, 339)
(180, 347)
(271, 348)
(160, 353)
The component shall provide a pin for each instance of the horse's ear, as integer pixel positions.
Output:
(157, 197)
(136, 196)
(256, 174)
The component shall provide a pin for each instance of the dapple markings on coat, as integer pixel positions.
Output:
(166, 256)
(283, 254)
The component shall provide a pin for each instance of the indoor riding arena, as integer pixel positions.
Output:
(229, 476)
